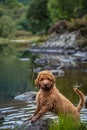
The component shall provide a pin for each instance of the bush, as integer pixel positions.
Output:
(1, 12)
(76, 24)
(20, 34)
(6, 26)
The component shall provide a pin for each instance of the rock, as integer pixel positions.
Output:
(41, 61)
(84, 59)
(38, 125)
(80, 54)
(37, 70)
(55, 69)
(51, 67)
(58, 72)
(1, 117)
(70, 50)
(59, 27)
(28, 96)
(65, 40)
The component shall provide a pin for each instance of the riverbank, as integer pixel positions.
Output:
(14, 46)
(19, 40)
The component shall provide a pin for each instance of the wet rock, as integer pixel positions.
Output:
(80, 54)
(51, 67)
(41, 61)
(38, 125)
(37, 70)
(28, 96)
(84, 59)
(56, 69)
(65, 40)
(1, 117)
(58, 73)
(70, 50)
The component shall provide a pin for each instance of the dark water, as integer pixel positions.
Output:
(17, 76)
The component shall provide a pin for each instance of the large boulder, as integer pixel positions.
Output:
(38, 125)
(28, 96)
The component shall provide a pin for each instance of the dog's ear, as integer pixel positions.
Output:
(53, 80)
(36, 82)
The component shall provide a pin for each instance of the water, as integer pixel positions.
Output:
(17, 76)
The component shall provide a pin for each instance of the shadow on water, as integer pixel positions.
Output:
(17, 76)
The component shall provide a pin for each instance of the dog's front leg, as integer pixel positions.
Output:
(36, 111)
(42, 111)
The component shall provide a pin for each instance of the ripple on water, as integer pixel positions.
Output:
(17, 114)
(83, 115)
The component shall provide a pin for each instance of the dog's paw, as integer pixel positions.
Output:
(29, 119)
(33, 120)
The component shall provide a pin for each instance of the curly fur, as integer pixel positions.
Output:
(50, 99)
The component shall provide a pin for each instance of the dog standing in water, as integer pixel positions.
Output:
(50, 99)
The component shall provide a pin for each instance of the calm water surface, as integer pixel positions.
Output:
(17, 76)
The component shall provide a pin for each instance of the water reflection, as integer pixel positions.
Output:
(16, 76)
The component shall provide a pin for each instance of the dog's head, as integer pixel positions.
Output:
(45, 80)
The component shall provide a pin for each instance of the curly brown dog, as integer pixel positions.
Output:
(50, 99)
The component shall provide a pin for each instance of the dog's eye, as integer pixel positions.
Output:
(49, 79)
(41, 79)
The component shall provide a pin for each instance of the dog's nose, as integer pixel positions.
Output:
(45, 85)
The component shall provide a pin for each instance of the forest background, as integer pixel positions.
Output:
(25, 17)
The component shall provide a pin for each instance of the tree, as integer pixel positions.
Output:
(6, 26)
(25, 1)
(12, 3)
(2, 1)
(37, 15)
(84, 7)
(2, 12)
(65, 9)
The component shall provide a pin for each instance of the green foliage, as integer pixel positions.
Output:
(6, 26)
(78, 24)
(12, 3)
(83, 8)
(20, 34)
(67, 123)
(66, 9)
(1, 12)
(11, 15)
(22, 24)
(37, 15)
(25, 1)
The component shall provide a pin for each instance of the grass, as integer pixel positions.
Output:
(67, 123)
(34, 39)
(4, 40)
(18, 45)
(28, 41)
